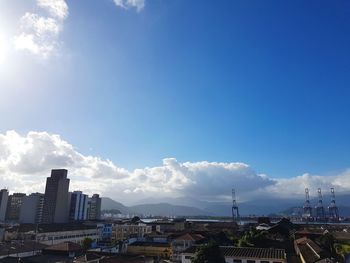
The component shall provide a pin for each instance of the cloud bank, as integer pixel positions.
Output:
(26, 161)
(127, 4)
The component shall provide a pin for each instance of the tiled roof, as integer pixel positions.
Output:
(88, 257)
(246, 252)
(306, 241)
(192, 237)
(150, 244)
(252, 252)
(125, 259)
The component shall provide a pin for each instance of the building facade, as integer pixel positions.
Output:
(14, 205)
(4, 194)
(75, 236)
(78, 206)
(94, 207)
(126, 231)
(32, 209)
(55, 208)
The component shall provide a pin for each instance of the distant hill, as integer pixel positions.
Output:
(160, 209)
(165, 209)
(110, 204)
(192, 207)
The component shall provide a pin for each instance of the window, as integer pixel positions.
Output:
(251, 261)
(237, 261)
(264, 261)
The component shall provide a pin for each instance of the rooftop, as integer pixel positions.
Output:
(149, 244)
(246, 252)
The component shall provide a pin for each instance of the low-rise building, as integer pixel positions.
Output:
(20, 249)
(243, 255)
(51, 234)
(122, 232)
(183, 242)
(309, 251)
(151, 249)
(76, 236)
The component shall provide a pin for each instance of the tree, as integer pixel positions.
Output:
(209, 253)
(87, 242)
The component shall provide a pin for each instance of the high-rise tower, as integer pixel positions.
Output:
(94, 207)
(14, 206)
(4, 194)
(55, 208)
(78, 206)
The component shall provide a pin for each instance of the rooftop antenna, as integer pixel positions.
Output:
(235, 212)
(320, 215)
(307, 207)
(332, 208)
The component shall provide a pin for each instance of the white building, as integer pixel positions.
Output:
(76, 236)
(78, 206)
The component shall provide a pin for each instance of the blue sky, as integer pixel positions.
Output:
(260, 82)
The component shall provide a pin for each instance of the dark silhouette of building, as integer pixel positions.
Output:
(55, 208)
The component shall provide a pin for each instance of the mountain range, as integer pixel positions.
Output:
(184, 206)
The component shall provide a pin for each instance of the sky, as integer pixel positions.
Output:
(176, 98)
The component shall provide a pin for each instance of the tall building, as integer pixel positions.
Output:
(78, 206)
(4, 194)
(94, 207)
(55, 208)
(32, 209)
(14, 205)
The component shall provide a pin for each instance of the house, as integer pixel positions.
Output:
(183, 242)
(20, 249)
(69, 249)
(150, 249)
(309, 251)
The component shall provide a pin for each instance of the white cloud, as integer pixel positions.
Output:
(39, 34)
(25, 162)
(126, 4)
(57, 8)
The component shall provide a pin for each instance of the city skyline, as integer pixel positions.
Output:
(138, 98)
